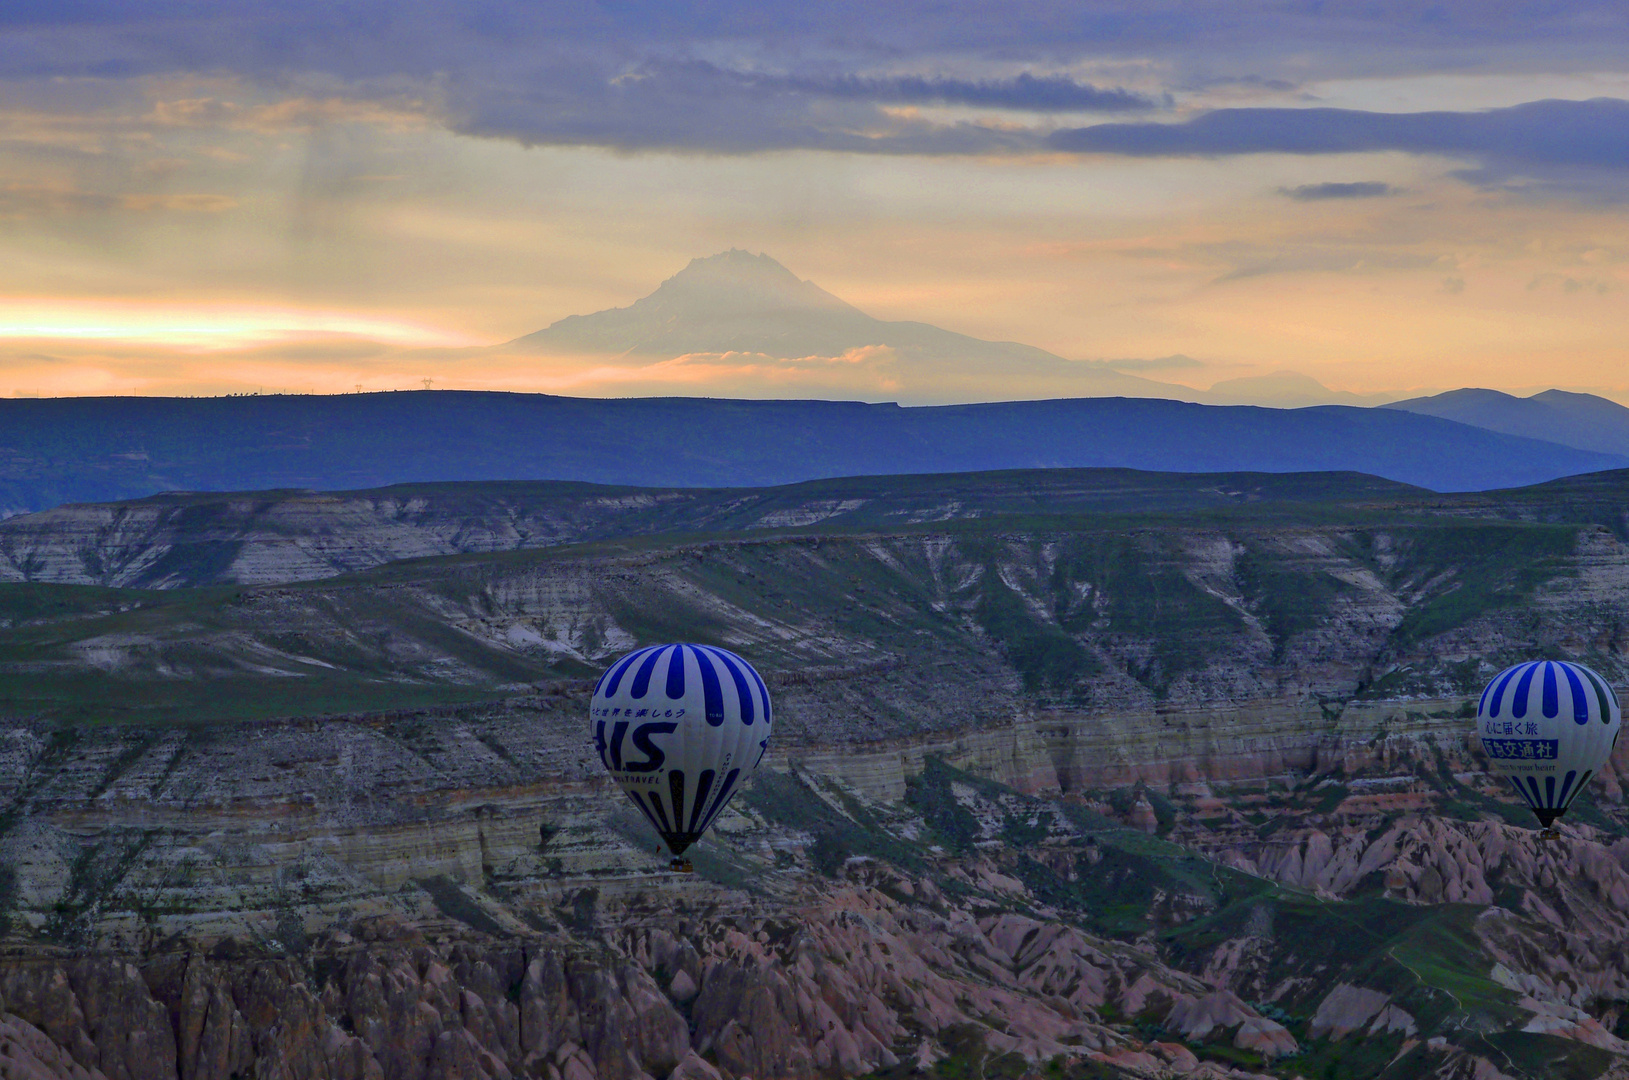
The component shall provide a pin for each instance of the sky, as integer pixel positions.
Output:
(231, 197)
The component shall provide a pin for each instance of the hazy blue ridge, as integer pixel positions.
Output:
(1582, 421)
(97, 449)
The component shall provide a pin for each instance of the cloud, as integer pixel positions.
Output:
(867, 370)
(1043, 93)
(1360, 189)
(1267, 41)
(1549, 141)
(31, 201)
(188, 203)
(298, 113)
(1314, 257)
(18, 200)
(740, 76)
(1569, 285)
(697, 106)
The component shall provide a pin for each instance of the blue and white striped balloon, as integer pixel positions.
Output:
(1548, 725)
(680, 728)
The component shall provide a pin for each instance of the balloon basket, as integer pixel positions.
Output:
(1549, 833)
(681, 866)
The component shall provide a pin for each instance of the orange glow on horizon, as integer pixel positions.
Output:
(208, 327)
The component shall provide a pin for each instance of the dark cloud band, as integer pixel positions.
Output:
(1033, 93)
(822, 77)
(1359, 189)
(1587, 133)
(1572, 147)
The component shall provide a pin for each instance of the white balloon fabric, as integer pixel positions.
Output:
(1548, 725)
(680, 728)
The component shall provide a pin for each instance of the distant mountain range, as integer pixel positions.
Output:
(59, 450)
(1583, 421)
(55, 451)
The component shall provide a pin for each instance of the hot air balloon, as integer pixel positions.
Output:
(680, 728)
(1548, 726)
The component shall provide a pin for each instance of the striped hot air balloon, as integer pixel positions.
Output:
(680, 728)
(1548, 725)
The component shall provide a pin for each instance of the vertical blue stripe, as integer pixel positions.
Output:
(675, 790)
(621, 669)
(675, 674)
(1549, 792)
(661, 813)
(742, 693)
(1498, 695)
(1580, 700)
(1566, 786)
(711, 692)
(1482, 704)
(643, 809)
(704, 787)
(724, 794)
(1518, 703)
(1522, 791)
(641, 679)
(1602, 695)
(1552, 699)
(1538, 796)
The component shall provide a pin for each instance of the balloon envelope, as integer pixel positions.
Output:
(1549, 726)
(680, 728)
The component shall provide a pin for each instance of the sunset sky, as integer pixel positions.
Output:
(218, 197)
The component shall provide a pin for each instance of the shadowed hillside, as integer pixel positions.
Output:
(1584, 421)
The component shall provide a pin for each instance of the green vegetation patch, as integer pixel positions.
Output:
(784, 798)
(1133, 587)
(931, 795)
(23, 603)
(1046, 657)
(94, 877)
(1428, 958)
(90, 656)
(1288, 598)
(1354, 1058)
(8, 897)
(1448, 973)
(1531, 1054)
(968, 1057)
(1467, 570)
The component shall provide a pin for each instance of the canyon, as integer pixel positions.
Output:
(1151, 779)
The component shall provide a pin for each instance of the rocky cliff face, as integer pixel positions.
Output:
(188, 539)
(871, 636)
(462, 896)
(265, 537)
